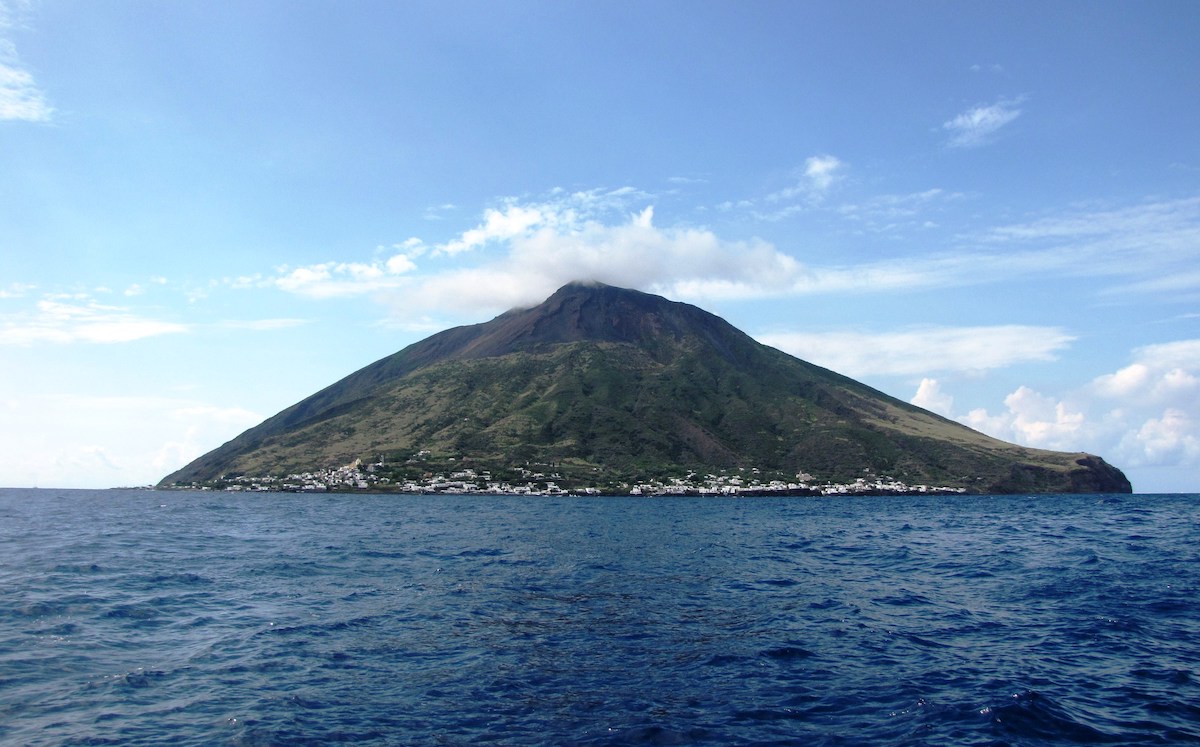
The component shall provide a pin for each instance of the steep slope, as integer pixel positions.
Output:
(625, 383)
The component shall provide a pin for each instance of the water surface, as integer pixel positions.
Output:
(141, 617)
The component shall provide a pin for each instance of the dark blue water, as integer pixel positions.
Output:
(132, 618)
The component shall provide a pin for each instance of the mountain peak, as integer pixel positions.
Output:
(618, 382)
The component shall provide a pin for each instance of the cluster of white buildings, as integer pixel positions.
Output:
(356, 476)
(726, 485)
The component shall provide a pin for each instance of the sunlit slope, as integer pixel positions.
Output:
(622, 382)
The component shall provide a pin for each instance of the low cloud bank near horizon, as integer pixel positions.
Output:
(113, 440)
(1140, 416)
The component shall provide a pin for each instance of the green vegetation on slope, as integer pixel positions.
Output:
(625, 386)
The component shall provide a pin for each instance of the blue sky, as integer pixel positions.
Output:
(210, 210)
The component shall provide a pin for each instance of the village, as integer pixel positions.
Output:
(357, 477)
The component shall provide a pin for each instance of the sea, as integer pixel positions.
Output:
(140, 617)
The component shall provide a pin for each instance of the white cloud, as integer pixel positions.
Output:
(340, 279)
(1169, 355)
(686, 180)
(102, 441)
(930, 396)
(1162, 379)
(819, 174)
(16, 290)
(681, 262)
(513, 226)
(56, 321)
(975, 126)
(497, 225)
(610, 236)
(1041, 421)
(265, 325)
(438, 212)
(1170, 221)
(1156, 397)
(923, 350)
(1142, 417)
(822, 171)
(1177, 285)
(573, 236)
(399, 264)
(1173, 438)
(1154, 246)
(20, 97)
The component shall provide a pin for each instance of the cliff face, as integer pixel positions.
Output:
(614, 380)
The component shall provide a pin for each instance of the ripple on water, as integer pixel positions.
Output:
(385, 620)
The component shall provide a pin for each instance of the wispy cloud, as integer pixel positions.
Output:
(16, 290)
(60, 321)
(994, 68)
(1155, 218)
(439, 212)
(977, 125)
(522, 250)
(923, 350)
(811, 186)
(264, 325)
(20, 97)
(1153, 246)
(822, 171)
(814, 180)
(894, 214)
(341, 279)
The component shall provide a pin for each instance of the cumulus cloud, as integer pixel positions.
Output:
(1142, 416)
(1033, 419)
(513, 221)
(930, 396)
(1156, 398)
(1162, 371)
(61, 321)
(532, 248)
(1172, 438)
(923, 350)
(521, 250)
(976, 126)
(604, 235)
(681, 262)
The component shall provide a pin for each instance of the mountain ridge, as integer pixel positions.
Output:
(615, 382)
